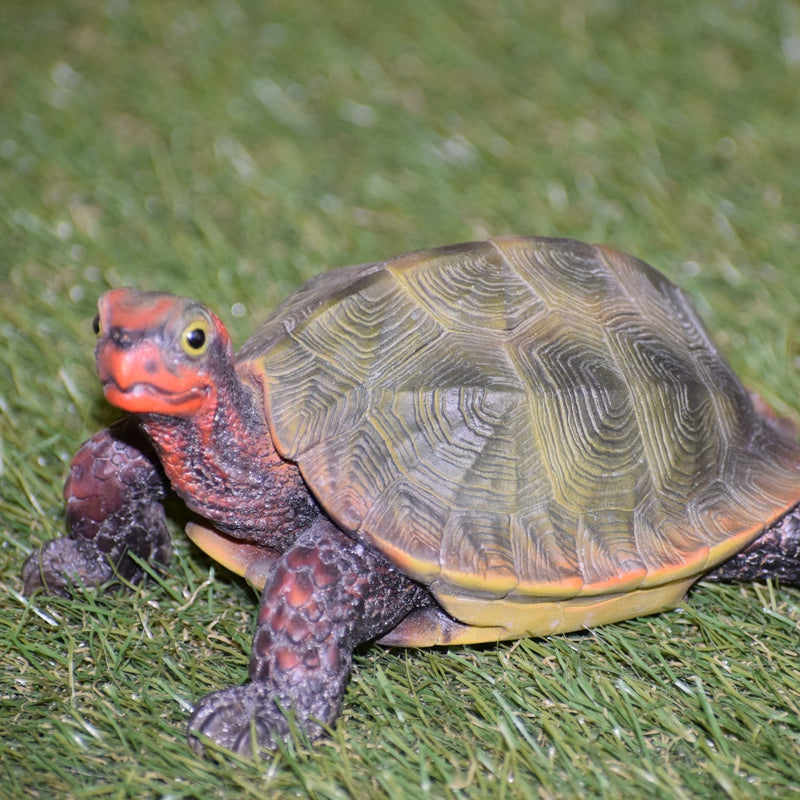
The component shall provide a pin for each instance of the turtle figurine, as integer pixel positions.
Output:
(515, 437)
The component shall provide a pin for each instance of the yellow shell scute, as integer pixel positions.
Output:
(539, 430)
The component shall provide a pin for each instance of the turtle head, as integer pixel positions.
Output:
(159, 353)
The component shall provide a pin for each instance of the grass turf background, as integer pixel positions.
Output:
(229, 150)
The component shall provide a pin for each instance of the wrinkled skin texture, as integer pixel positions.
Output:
(326, 595)
(775, 554)
(113, 497)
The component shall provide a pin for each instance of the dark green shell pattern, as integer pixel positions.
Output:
(521, 418)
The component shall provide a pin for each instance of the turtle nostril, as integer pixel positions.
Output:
(122, 338)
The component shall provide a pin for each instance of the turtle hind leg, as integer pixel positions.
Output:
(113, 496)
(324, 596)
(774, 554)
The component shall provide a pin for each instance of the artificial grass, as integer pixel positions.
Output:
(229, 150)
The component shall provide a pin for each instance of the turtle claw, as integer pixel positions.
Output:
(231, 718)
(61, 564)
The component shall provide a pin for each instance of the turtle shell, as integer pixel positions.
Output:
(539, 430)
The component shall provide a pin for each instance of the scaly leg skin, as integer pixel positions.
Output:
(326, 595)
(774, 554)
(113, 493)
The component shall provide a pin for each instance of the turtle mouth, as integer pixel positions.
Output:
(143, 397)
(144, 391)
(138, 380)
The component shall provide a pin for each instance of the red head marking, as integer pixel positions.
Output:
(159, 353)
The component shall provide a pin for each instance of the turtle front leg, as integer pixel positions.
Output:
(326, 595)
(113, 508)
(774, 554)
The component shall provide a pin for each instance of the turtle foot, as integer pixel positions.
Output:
(774, 554)
(62, 564)
(113, 510)
(243, 719)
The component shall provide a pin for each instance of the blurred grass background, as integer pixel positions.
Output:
(229, 150)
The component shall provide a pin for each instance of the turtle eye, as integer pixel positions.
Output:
(96, 324)
(194, 339)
